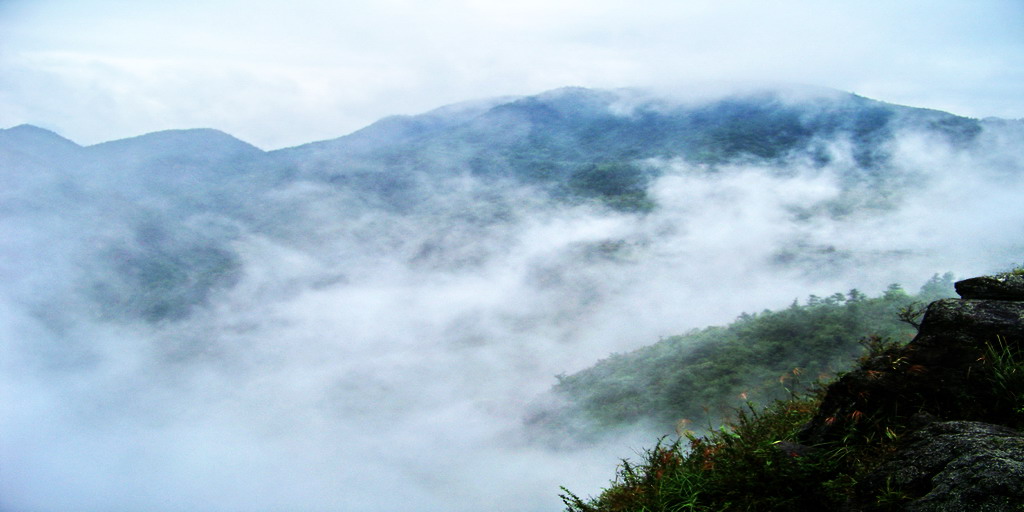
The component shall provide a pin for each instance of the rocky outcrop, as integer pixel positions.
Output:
(942, 372)
(952, 467)
(936, 395)
(1008, 286)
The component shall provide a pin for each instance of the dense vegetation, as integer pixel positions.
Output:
(618, 185)
(702, 375)
(737, 467)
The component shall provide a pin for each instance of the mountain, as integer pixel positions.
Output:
(570, 127)
(140, 201)
(569, 146)
(554, 139)
(27, 137)
(182, 314)
(194, 146)
(28, 155)
(558, 140)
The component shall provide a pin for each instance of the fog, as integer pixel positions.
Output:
(351, 356)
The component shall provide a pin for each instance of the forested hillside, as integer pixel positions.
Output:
(693, 380)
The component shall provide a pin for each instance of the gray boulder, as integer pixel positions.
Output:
(951, 466)
(1006, 286)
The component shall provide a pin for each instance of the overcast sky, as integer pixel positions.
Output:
(281, 73)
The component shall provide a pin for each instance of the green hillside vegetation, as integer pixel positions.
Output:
(703, 375)
(620, 186)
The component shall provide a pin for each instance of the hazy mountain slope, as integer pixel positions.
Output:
(557, 139)
(152, 213)
(31, 158)
(31, 142)
(562, 129)
(197, 145)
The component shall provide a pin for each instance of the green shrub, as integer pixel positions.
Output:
(744, 465)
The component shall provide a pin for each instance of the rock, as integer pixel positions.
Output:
(970, 321)
(941, 373)
(951, 466)
(1007, 286)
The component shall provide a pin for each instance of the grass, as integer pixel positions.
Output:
(1005, 363)
(746, 464)
(750, 464)
(660, 482)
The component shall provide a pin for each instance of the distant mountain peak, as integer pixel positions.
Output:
(191, 136)
(29, 133)
(191, 144)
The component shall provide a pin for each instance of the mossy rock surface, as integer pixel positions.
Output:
(951, 466)
(1007, 286)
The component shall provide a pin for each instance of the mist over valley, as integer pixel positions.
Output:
(365, 323)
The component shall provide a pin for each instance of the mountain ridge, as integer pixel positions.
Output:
(613, 119)
(789, 93)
